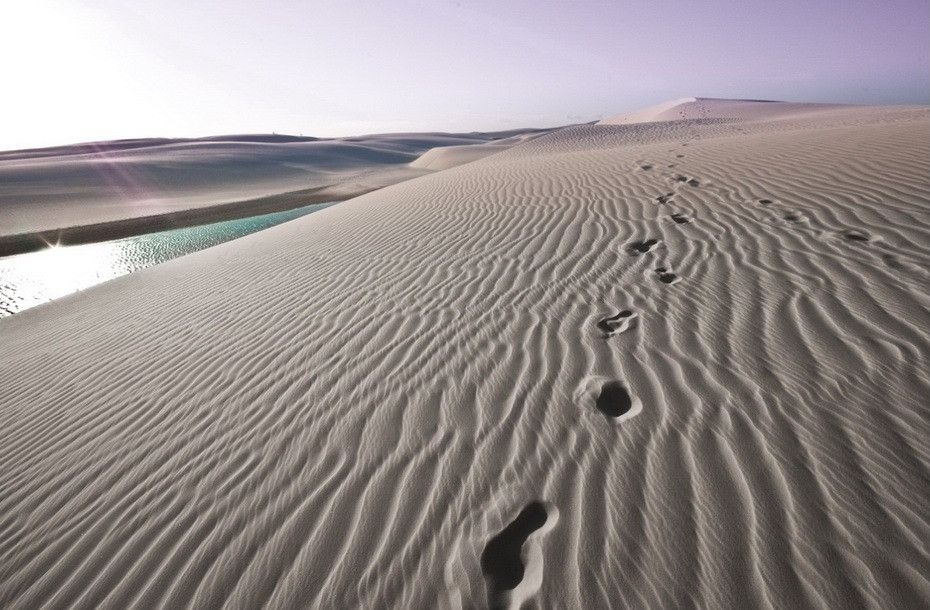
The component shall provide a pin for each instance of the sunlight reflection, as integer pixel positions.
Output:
(29, 279)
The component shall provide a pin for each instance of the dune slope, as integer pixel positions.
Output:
(121, 181)
(657, 365)
(446, 157)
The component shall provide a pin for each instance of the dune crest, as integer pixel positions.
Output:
(720, 109)
(447, 157)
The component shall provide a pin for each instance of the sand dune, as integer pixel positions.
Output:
(447, 157)
(689, 108)
(665, 364)
(105, 182)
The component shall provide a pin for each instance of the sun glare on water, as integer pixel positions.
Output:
(27, 280)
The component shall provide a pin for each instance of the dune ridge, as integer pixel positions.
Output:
(446, 157)
(710, 108)
(346, 410)
(67, 188)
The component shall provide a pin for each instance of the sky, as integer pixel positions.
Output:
(88, 70)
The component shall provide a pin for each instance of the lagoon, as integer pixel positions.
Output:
(27, 280)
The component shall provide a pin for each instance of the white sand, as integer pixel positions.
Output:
(446, 157)
(86, 184)
(349, 409)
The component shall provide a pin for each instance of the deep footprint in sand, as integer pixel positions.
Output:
(667, 277)
(664, 198)
(610, 397)
(514, 574)
(613, 400)
(617, 324)
(679, 219)
(642, 247)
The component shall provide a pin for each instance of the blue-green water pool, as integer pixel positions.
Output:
(27, 280)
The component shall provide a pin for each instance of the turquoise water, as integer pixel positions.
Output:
(27, 280)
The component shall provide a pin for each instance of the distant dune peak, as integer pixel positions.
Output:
(687, 108)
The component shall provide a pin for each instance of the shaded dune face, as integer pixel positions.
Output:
(367, 407)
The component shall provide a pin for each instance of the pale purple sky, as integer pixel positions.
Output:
(81, 70)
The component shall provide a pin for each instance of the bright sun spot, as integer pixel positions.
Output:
(63, 79)
(42, 276)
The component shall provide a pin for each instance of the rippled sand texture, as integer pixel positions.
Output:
(477, 387)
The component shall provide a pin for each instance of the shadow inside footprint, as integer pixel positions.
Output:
(614, 400)
(642, 247)
(664, 198)
(855, 236)
(645, 167)
(616, 324)
(694, 182)
(501, 560)
(665, 276)
(679, 219)
(765, 201)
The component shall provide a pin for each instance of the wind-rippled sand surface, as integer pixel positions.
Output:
(651, 365)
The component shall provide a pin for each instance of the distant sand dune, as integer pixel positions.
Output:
(711, 108)
(49, 189)
(446, 157)
(351, 409)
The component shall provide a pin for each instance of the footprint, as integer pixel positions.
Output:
(679, 219)
(855, 236)
(892, 261)
(617, 324)
(645, 167)
(667, 277)
(664, 198)
(694, 182)
(642, 247)
(681, 178)
(792, 218)
(613, 400)
(679, 156)
(610, 397)
(511, 581)
(765, 201)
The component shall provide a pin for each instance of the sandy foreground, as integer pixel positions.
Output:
(647, 364)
